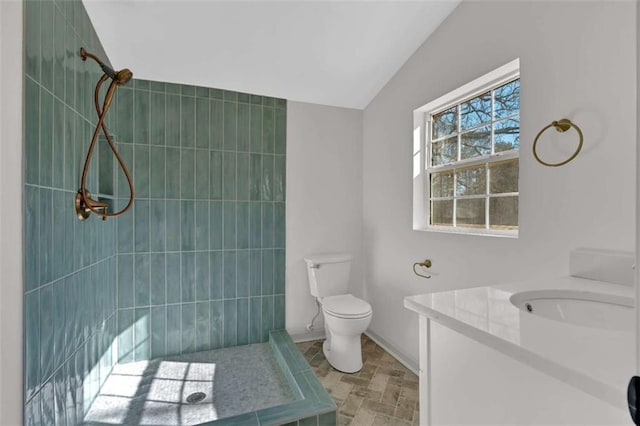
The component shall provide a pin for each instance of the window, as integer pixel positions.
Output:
(466, 155)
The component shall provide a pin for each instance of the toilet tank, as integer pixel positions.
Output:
(328, 273)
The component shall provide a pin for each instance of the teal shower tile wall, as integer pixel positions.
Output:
(197, 264)
(69, 266)
(203, 251)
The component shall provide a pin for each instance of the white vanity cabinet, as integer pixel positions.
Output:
(485, 361)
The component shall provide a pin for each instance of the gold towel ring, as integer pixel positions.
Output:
(561, 126)
(426, 264)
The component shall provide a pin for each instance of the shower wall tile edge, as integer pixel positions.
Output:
(69, 266)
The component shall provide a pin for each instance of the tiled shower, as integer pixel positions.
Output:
(201, 259)
(197, 264)
(69, 266)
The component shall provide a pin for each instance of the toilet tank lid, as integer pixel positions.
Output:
(321, 258)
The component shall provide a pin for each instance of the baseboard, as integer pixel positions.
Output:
(394, 352)
(390, 348)
(308, 336)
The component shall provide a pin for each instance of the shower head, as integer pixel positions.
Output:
(84, 203)
(121, 77)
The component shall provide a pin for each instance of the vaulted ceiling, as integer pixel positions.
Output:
(338, 53)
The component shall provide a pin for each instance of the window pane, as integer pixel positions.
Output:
(444, 152)
(503, 176)
(442, 184)
(507, 100)
(475, 111)
(476, 143)
(445, 123)
(470, 213)
(503, 212)
(442, 213)
(506, 134)
(472, 181)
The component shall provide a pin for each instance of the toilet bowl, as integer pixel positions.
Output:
(346, 318)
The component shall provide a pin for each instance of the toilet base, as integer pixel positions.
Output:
(344, 353)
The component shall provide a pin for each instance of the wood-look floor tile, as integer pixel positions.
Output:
(373, 356)
(323, 369)
(379, 382)
(351, 405)
(378, 407)
(409, 376)
(303, 346)
(344, 420)
(391, 395)
(330, 379)
(383, 420)
(405, 409)
(391, 372)
(364, 418)
(340, 390)
(403, 383)
(355, 380)
(317, 360)
(410, 393)
(310, 352)
(383, 364)
(367, 371)
(367, 393)
(383, 392)
(387, 357)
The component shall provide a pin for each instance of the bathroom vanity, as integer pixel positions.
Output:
(554, 352)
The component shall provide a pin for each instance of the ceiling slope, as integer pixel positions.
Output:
(338, 53)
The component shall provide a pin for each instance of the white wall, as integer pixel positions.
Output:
(11, 212)
(324, 199)
(637, 270)
(578, 60)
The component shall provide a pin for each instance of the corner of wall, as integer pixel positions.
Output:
(324, 198)
(11, 111)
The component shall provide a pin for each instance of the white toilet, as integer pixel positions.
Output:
(345, 316)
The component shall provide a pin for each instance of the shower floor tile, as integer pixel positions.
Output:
(234, 380)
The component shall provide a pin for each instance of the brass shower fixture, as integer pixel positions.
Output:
(84, 204)
(121, 77)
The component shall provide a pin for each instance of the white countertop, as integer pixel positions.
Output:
(597, 361)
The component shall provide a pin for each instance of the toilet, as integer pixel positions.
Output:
(346, 317)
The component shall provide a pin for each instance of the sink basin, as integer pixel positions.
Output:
(597, 310)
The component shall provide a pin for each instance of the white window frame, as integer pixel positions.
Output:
(421, 154)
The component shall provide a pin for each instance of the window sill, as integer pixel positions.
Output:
(470, 231)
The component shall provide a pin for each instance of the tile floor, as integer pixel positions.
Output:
(384, 392)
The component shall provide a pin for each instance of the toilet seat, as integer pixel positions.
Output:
(345, 306)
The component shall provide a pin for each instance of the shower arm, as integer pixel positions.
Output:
(84, 203)
(120, 77)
